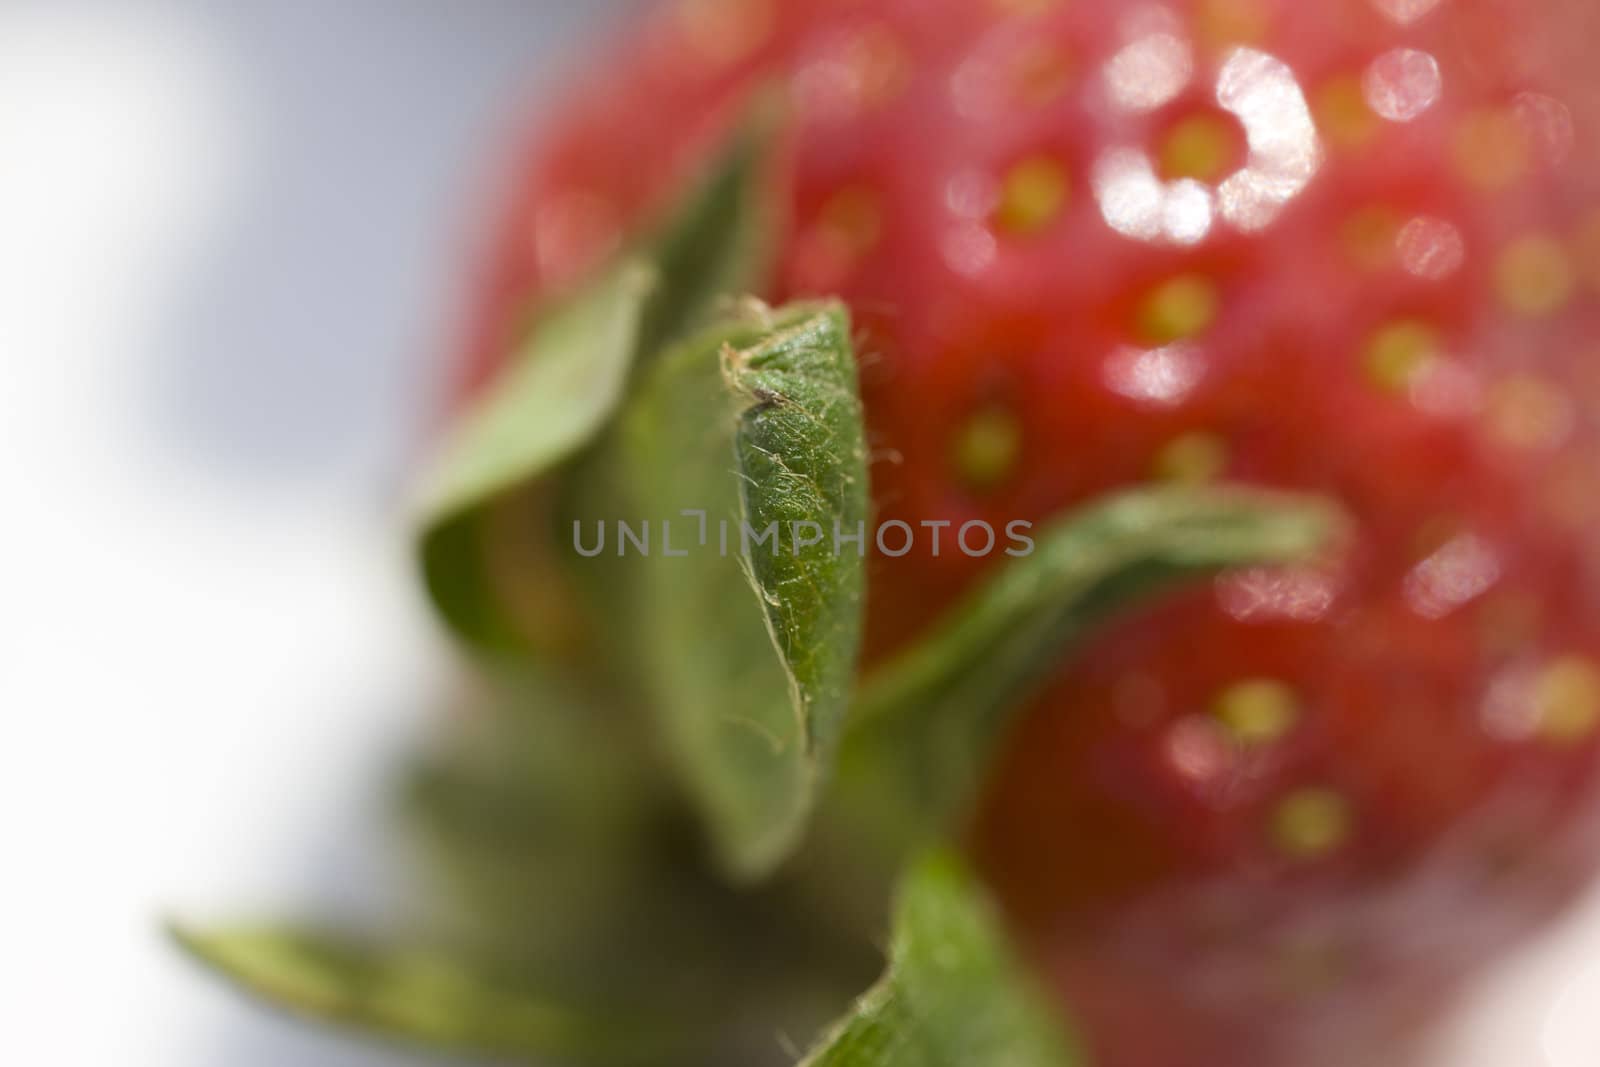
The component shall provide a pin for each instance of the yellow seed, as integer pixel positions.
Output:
(1534, 276)
(1200, 147)
(1399, 352)
(1343, 114)
(1025, 7)
(1508, 622)
(1567, 696)
(1524, 411)
(727, 31)
(1178, 310)
(853, 218)
(1588, 250)
(1257, 711)
(879, 65)
(1311, 823)
(987, 448)
(1491, 150)
(1032, 196)
(1231, 22)
(1040, 73)
(848, 226)
(1193, 459)
(1369, 236)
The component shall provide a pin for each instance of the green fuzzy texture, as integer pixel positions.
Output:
(954, 994)
(751, 640)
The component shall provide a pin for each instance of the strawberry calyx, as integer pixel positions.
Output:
(737, 663)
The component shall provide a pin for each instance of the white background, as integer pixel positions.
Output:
(233, 243)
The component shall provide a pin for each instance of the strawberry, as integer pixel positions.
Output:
(1351, 247)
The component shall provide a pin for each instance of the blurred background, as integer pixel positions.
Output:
(235, 240)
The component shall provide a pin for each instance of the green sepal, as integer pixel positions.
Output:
(537, 817)
(926, 724)
(565, 913)
(560, 392)
(751, 643)
(421, 995)
(954, 994)
(555, 841)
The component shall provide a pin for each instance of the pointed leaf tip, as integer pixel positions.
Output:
(926, 723)
(421, 996)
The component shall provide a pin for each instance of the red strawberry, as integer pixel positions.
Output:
(1351, 246)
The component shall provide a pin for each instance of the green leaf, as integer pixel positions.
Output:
(553, 398)
(557, 396)
(422, 996)
(537, 815)
(926, 723)
(953, 995)
(556, 844)
(751, 644)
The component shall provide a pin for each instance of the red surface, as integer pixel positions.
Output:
(1128, 832)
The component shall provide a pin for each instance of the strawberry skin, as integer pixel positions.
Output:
(1351, 246)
